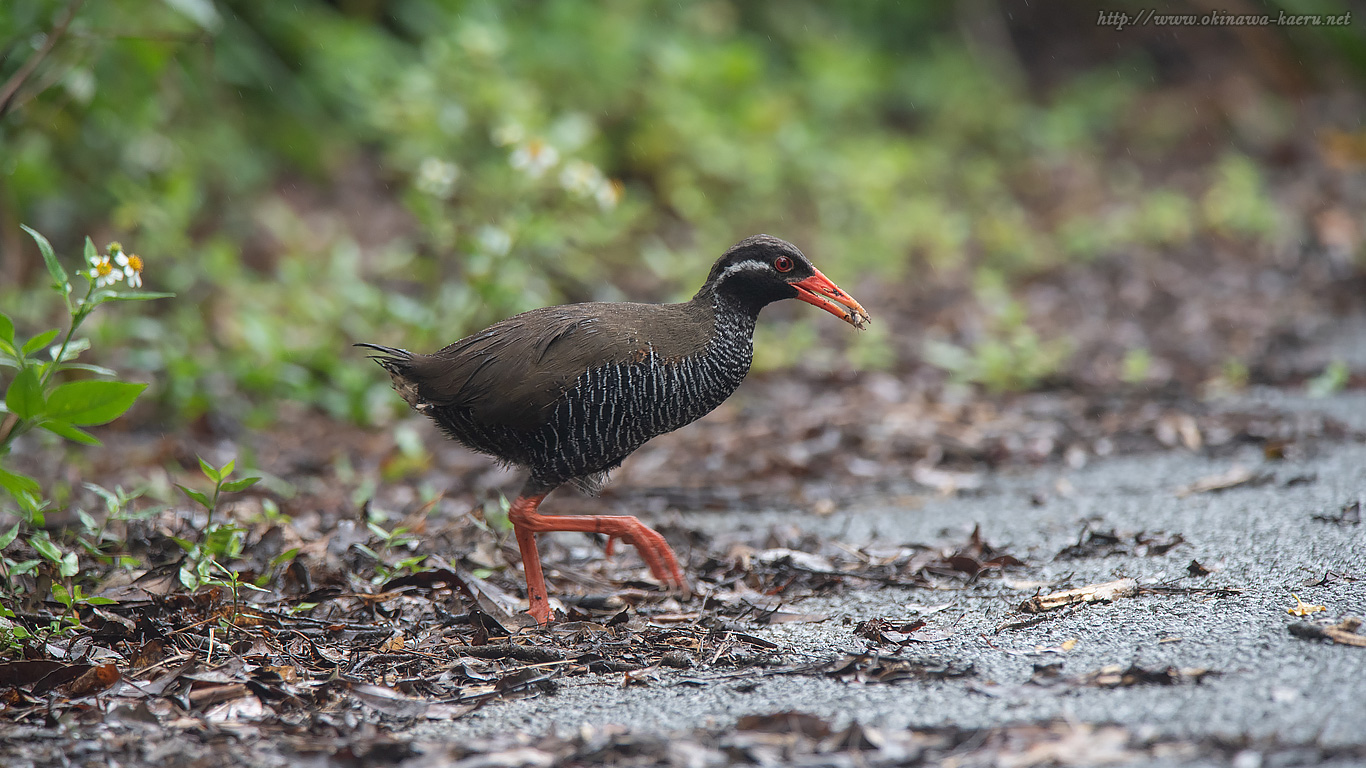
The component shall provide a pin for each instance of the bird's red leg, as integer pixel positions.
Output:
(654, 550)
(538, 601)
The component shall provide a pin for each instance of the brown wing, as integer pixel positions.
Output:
(512, 372)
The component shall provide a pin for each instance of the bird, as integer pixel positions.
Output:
(568, 392)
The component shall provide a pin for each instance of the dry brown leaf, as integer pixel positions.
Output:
(92, 681)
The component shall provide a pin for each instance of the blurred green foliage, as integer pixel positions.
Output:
(309, 174)
(1010, 356)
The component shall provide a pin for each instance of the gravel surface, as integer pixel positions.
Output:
(1266, 685)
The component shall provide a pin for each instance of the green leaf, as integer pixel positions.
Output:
(98, 370)
(24, 568)
(38, 342)
(16, 483)
(198, 496)
(241, 485)
(1333, 379)
(91, 252)
(136, 295)
(223, 540)
(72, 433)
(69, 565)
(227, 468)
(276, 561)
(111, 500)
(61, 595)
(8, 537)
(73, 348)
(54, 268)
(87, 403)
(33, 508)
(209, 471)
(6, 333)
(25, 396)
(100, 601)
(46, 548)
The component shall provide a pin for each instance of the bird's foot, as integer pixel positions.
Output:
(653, 549)
(540, 611)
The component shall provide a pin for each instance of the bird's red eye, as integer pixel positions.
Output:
(782, 264)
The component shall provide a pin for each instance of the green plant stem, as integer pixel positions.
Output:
(83, 310)
(213, 506)
(9, 428)
(71, 600)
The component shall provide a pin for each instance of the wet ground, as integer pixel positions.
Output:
(1247, 677)
(1241, 564)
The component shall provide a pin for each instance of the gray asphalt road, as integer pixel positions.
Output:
(1260, 539)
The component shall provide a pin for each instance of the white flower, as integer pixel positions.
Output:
(534, 158)
(132, 267)
(103, 272)
(437, 177)
(580, 177)
(608, 194)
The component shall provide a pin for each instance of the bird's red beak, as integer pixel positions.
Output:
(819, 291)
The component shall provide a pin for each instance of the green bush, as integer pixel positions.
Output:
(319, 173)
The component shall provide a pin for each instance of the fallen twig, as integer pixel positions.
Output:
(1238, 475)
(1343, 633)
(1093, 593)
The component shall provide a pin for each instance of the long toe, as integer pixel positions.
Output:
(657, 554)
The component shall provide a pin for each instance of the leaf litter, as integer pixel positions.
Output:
(344, 639)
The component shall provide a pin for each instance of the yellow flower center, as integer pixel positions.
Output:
(104, 268)
(135, 262)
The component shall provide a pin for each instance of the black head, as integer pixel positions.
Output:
(763, 269)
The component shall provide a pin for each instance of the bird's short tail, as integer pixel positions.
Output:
(399, 364)
(395, 361)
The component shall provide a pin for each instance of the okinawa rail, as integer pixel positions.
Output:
(568, 392)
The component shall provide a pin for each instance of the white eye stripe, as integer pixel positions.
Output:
(747, 265)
